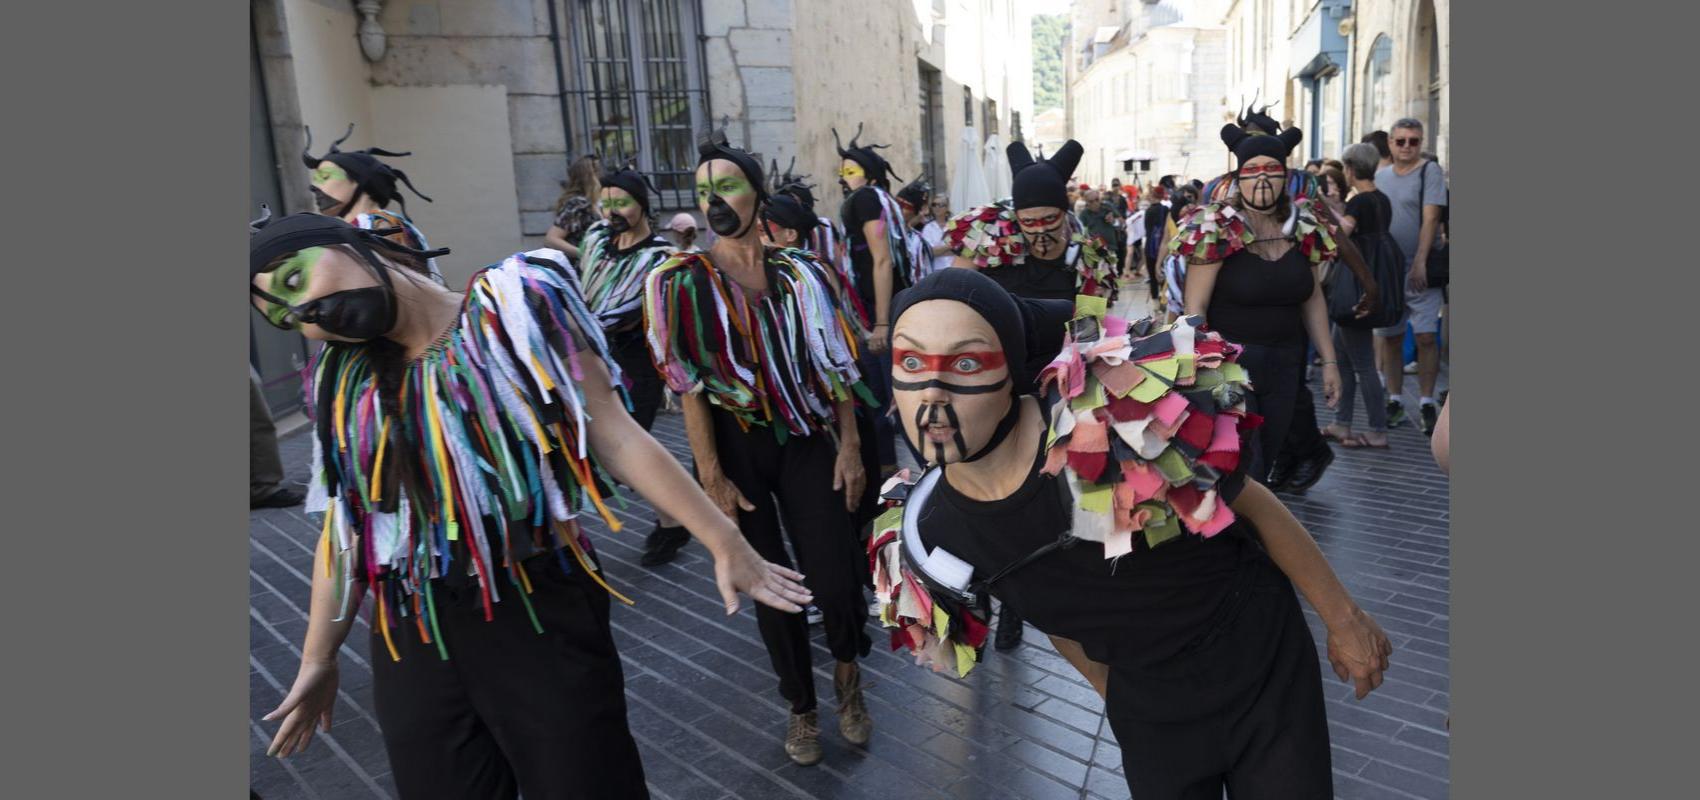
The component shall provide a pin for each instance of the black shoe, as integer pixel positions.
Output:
(1009, 630)
(1280, 475)
(663, 545)
(1430, 413)
(1396, 415)
(282, 498)
(1309, 471)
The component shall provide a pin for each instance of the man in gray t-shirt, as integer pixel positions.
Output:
(1416, 188)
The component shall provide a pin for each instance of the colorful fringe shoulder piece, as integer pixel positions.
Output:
(942, 632)
(1146, 420)
(613, 283)
(410, 235)
(780, 359)
(473, 457)
(828, 244)
(1211, 232)
(1313, 238)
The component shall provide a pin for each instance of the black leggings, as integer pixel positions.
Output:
(1276, 372)
(794, 481)
(643, 381)
(511, 711)
(1241, 709)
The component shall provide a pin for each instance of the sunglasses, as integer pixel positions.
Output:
(1255, 170)
(1410, 142)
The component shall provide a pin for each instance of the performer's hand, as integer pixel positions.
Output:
(742, 570)
(848, 475)
(308, 704)
(879, 340)
(724, 493)
(1366, 305)
(1358, 651)
(1331, 384)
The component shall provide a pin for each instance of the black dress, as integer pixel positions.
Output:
(1259, 304)
(1214, 678)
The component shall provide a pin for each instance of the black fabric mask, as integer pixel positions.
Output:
(359, 314)
(323, 201)
(618, 224)
(723, 219)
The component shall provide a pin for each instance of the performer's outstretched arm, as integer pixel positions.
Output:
(634, 458)
(1357, 648)
(313, 696)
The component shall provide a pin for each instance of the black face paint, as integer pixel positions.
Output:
(953, 388)
(955, 429)
(323, 201)
(1263, 194)
(618, 224)
(359, 314)
(722, 218)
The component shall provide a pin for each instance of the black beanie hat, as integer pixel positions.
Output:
(1030, 331)
(1042, 183)
(632, 182)
(792, 184)
(714, 146)
(1246, 145)
(789, 212)
(371, 177)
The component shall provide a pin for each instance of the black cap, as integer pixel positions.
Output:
(714, 146)
(1042, 183)
(632, 182)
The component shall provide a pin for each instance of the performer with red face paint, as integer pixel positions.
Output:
(1113, 514)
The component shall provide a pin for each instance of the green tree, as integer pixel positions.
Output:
(1049, 30)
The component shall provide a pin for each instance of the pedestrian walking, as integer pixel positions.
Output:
(1416, 190)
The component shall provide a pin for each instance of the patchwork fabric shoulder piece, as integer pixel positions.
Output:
(1313, 238)
(987, 236)
(1146, 420)
(1095, 264)
(1210, 233)
(941, 632)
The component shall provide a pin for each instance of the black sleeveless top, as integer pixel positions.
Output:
(1040, 279)
(1258, 301)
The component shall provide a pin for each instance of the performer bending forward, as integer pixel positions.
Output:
(1126, 531)
(453, 453)
(755, 341)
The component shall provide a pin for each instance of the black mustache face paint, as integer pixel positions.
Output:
(953, 388)
(323, 201)
(927, 415)
(1263, 194)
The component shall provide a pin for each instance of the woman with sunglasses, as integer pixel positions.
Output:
(454, 452)
(1112, 512)
(1252, 274)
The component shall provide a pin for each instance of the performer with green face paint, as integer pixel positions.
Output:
(357, 188)
(754, 339)
(616, 255)
(458, 439)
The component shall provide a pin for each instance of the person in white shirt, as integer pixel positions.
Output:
(933, 231)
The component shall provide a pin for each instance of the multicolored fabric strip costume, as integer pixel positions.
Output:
(781, 359)
(990, 237)
(379, 220)
(1146, 420)
(1212, 232)
(903, 242)
(828, 243)
(472, 457)
(613, 284)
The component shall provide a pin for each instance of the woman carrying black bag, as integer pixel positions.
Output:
(1365, 221)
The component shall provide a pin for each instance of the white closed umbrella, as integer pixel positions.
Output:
(968, 186)
(997, 169)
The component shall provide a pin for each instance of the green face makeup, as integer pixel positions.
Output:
(619, 203)
(328, 172)
(289, 283)
(724, 185)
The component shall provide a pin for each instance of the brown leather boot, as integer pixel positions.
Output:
(802, 739)
(853, 720)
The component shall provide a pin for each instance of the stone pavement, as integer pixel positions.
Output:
(709, 721)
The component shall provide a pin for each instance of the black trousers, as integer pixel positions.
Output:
(1240, 709)
(512, 711)
(643, 381)
(1304, 434)
(1277, 373)
(793, 482)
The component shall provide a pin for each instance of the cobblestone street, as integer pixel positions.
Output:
(709, 722)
